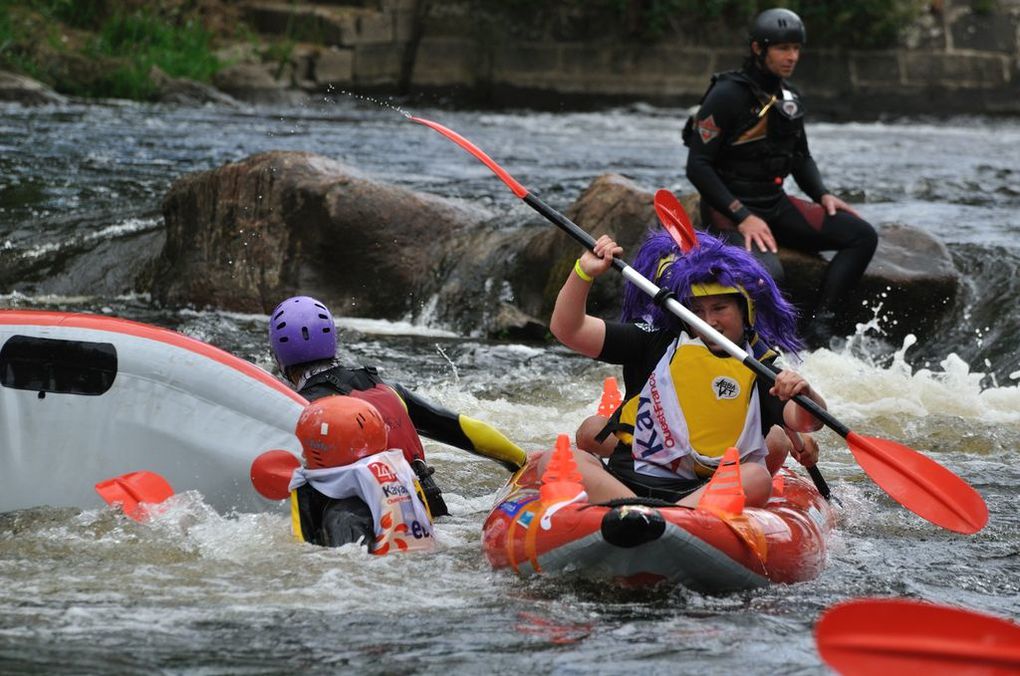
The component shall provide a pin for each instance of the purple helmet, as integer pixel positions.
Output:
(301, 330)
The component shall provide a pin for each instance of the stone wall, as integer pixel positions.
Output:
(952, 60)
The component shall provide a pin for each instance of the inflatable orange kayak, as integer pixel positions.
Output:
(538, 528)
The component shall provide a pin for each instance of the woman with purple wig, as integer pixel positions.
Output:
(687, 400)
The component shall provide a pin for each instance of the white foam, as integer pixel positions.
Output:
(866, 389)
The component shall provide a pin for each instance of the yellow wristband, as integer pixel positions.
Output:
(581, 273)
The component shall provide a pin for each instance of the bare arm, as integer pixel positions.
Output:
(570, 321)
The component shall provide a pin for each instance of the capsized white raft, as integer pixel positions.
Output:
(86, 397)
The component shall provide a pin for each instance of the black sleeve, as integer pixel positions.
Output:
(432, 421)
(637, 348)
(716, 121)
(805, 171)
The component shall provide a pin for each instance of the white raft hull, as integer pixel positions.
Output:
(171, 404)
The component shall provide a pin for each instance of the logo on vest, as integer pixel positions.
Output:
(708, 129)
(725, 388)
(791, 109)
(382, 473)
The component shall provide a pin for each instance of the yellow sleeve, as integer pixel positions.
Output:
(491, 443)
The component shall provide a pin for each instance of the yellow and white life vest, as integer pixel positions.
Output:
(386, 482)
(693, 407)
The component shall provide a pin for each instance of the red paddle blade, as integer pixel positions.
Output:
(129, 491)
(892, 636)
(510, 181)
(271, 473)
(675, 220)
(920, 484)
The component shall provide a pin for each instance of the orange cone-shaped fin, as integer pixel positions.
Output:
(725, 492)
(611, 397)
(561, 479)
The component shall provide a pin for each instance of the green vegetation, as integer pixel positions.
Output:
(140, 41)
(56, 41)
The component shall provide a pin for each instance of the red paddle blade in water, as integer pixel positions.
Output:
(920, 484)
(675, 220)
(271, 473)
(131, 490)
(894, 636)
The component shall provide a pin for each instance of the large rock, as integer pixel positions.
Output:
(910, 284)
(25, 90)
(248, 234)
(259, 83)
(184, 91)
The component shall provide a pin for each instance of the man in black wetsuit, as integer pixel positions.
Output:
(746, 138)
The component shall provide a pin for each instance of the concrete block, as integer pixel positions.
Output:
(525, 58)
(448, 61)
(403, 25)
(372, 28)
(376, 64)
(956, 70)
(876, 68)
(398, 5)
(349, 27)
(987, 33)
(823, 69)
(334, 66)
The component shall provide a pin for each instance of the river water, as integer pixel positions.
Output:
(197, 591)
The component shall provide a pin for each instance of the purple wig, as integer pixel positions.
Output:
(655, 252)
(716, 261)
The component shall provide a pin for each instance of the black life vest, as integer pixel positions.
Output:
(748, 156)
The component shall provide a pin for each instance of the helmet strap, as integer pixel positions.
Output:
(759, 57)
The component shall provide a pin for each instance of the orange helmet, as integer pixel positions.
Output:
(336, 431)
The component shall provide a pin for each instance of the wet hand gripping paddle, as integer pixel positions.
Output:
(897, 636)
(915, 481)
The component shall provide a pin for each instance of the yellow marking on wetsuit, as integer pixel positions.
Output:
(397, 395)
(488, 441)
(420, 492)
(765, 108)
(295, 517)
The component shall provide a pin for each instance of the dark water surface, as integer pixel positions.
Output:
(196, 591)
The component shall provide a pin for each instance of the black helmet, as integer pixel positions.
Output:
(776, 26)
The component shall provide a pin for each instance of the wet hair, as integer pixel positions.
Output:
(713, 261)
